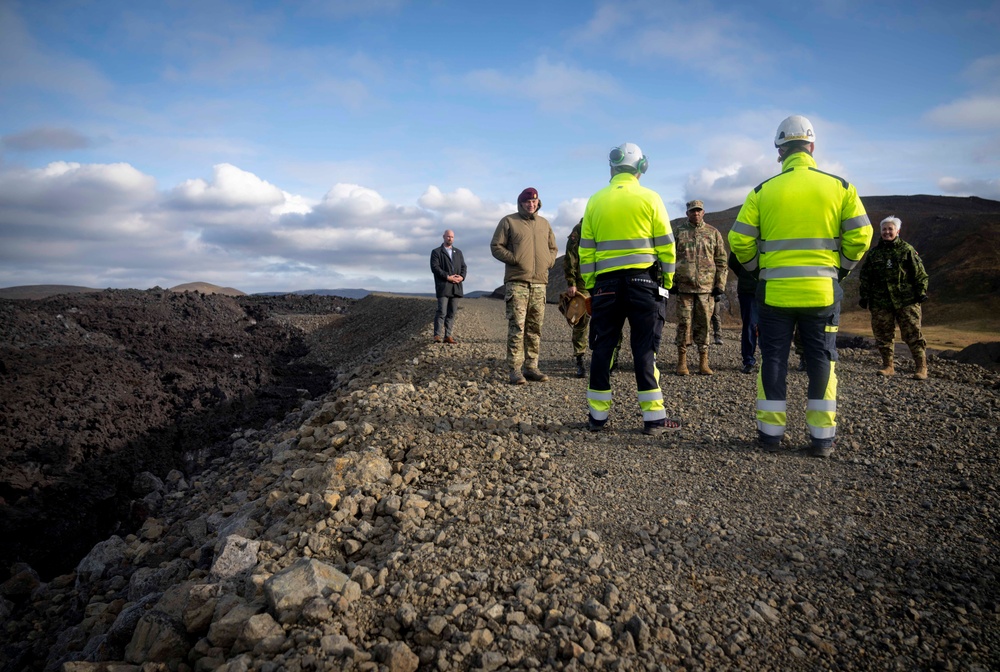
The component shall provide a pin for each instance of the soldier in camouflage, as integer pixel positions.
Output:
(700, 278)
(574, 286)
(893, 285)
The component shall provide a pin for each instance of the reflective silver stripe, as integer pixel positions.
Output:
(599, 415)
(771, 406)
(746, 229)
(588, 243)
(588, 268)
(769, 429)
(855, 223)
(823, 405)
(666, 267)
(627, 260)
(614, 245)
(798, 272)
(653, 416)
(831, 244)
(849, 264)
(822, 432)
(660, 241)
(650, 396)
(599, 396)
(752, 264)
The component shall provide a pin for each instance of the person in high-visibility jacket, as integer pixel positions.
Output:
(627, 261)
(805, 231)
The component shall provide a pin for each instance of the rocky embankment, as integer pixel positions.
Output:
(96, 387)
(427, 515)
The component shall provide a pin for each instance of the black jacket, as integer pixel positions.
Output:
(442, 266)
(746, 281)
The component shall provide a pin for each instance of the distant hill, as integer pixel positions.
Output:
(957, 238)
(346, 293)
(31, 292)
(207, 288)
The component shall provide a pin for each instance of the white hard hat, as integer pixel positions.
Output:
(795, 127)
(629, 157)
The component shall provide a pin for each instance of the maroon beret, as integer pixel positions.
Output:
(527, 195)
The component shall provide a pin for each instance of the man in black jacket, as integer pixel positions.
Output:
(746, 289)
(448, 267)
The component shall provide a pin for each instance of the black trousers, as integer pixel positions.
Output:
(636, 299)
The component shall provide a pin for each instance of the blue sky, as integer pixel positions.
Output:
(275, 146)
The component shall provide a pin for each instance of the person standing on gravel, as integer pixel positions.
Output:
(805, 230)
(893, 285)
(574, 286)
(524, 242)
(448, 267)
(627, 260)
(717, 317)
(746, 288)
(699, 280)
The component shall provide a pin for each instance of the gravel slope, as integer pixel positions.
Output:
(509, 538)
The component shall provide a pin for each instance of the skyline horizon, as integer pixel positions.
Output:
(327, 143)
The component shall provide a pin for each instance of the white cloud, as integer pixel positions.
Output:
(979, 112)
(694, 34)
(460, 200)
(570, 212)
(959, 187)
(75, 189)
(984, 73)
(554, 87)
(293, 205)
(230, 188)
(351, 201)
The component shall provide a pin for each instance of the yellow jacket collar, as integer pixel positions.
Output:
(798, 160)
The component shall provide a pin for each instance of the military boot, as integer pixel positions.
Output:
(920, 366)
(581, 372)
(887, 368)
(682, 361)
(703, 367)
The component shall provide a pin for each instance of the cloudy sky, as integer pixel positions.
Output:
(275, 146)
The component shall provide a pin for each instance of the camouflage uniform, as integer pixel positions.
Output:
(525, 312)
(571, 269)
(893, 285)
(701, 269)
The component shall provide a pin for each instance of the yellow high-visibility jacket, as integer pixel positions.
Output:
(625, 225)
(805, 230)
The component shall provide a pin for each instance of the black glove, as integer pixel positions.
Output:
(921, 298)
(842, 273)
(863, 303)
(716, 293)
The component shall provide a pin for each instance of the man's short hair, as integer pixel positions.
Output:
(793, 146)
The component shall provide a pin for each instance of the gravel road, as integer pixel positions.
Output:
(507, 537)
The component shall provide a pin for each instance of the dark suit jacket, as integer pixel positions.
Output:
(442, 266)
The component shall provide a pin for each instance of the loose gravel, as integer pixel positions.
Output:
(501, 535)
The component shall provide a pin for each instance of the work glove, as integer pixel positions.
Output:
(921, 298)
(842, 273)
(863, 303)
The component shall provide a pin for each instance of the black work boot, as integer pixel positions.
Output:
(581, 372)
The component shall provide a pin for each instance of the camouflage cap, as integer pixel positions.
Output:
(695, 205)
